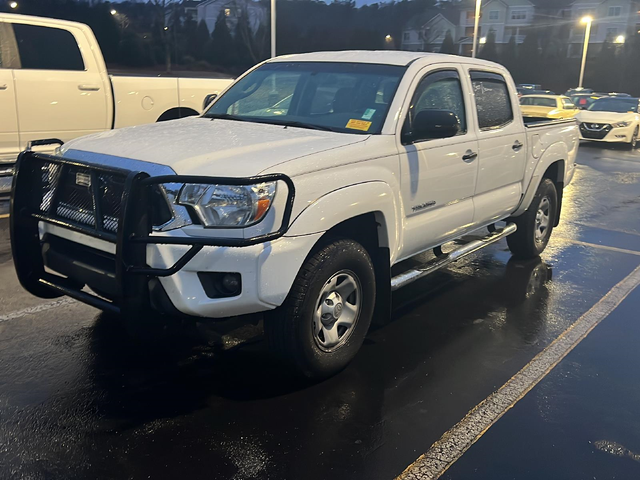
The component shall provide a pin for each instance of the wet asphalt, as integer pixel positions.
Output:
(80, 398)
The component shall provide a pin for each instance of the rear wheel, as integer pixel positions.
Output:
(536, 224)
(322, 323)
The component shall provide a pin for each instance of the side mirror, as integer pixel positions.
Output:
(208, 99)
(433, 124)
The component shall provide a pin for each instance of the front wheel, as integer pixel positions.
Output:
(321, 325)
(536, 224)
(633, 144)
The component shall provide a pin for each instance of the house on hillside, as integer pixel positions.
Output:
(507, 19)
(613, 21)
(425, 33)
(208, 10)
(190, 9)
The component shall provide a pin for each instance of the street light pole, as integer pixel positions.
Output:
(586, 20)
(273, 28)
(474, 49)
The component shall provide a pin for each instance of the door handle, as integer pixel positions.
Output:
(517, 146)
(3, 87)
(469, 156)
(89, 88)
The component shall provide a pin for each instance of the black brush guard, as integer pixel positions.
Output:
(132, 274)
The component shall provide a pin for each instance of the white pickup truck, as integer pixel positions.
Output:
(303, 192)
(54, 84)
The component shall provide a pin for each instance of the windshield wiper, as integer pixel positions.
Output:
(284, 123)
(226, 116)
(312, 126)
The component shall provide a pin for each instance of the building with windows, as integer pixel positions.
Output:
(506, 18)
(614, 21)
(425, 33)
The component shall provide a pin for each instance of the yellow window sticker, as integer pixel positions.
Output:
(359, 125)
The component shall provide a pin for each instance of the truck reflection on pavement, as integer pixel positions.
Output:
(339, 421)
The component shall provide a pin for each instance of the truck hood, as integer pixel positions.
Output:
(605, 117)
(201, 146)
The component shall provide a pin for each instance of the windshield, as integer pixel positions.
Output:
(539, 102)
(617, 105)
(342, 97)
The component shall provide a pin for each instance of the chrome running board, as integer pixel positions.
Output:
(445, 259)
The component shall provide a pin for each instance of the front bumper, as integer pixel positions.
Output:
(123, 269)
(609, 134)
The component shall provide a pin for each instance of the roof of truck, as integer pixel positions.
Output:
(35, 20)
(383, 57)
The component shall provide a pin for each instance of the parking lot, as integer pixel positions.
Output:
(81, 399)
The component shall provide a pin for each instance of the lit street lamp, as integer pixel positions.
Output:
(587, 21)
(620, 39)
(13, 5)
(113, 11)
(388, 42)
(483, 40)
(474, 49)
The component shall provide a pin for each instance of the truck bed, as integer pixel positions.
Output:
(536, 122)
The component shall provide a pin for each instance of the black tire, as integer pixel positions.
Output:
(633, 144)
(290, 329)
(524, 243)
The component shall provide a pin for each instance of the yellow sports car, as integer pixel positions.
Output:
(547, 106)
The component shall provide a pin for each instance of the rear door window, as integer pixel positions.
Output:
(46, 48)
(493, 101)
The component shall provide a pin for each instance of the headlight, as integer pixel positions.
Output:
(621, 124)
(228, 205)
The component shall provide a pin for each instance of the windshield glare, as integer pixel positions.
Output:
(615, 105)
(345, 97)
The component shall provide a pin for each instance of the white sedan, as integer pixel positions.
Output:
(611, 119)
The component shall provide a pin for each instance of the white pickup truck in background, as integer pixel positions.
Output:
(54, 84)
(305, 191)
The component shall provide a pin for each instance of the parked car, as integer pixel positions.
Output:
(574, 91)
(296, 209)
(530, 86)
(612, 120)
(547, 106)
(614, 94)
(584, 100)
(524, 91)
(54, 84)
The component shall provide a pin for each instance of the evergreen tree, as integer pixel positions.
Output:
(510, 54)
(243, 39)
(221, 49)
(528, 67)
(489, 50)
(448, 46)
(630, 61)
(197, 40)
(602, 64)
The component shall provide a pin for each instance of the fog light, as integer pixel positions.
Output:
(221, 284)
(231, 283)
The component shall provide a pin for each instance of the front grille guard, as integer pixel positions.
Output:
(132, 237)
